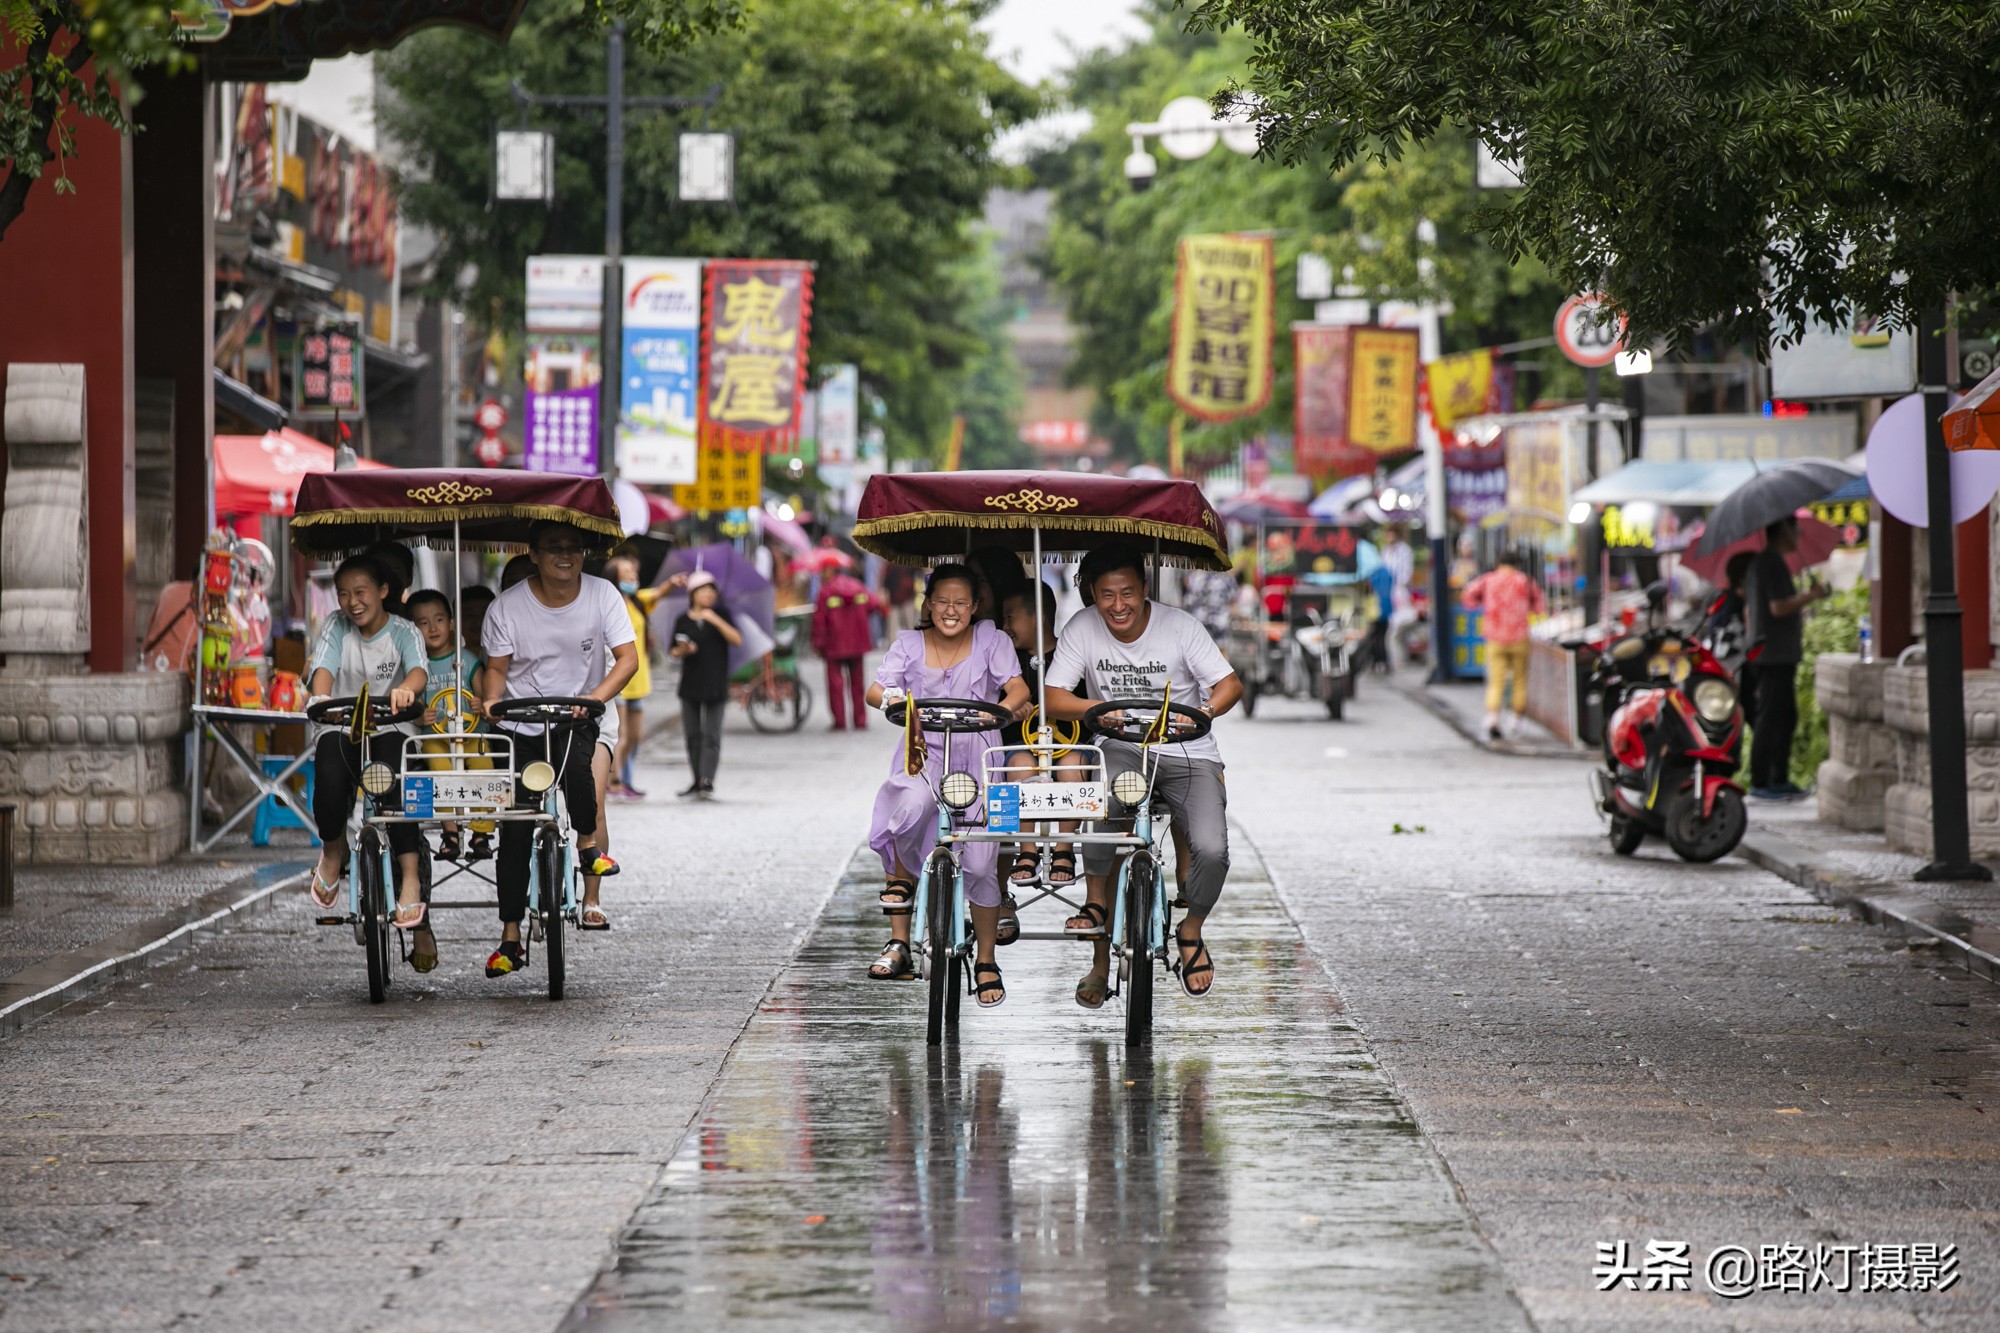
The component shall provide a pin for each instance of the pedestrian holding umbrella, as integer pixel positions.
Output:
(1775, 493)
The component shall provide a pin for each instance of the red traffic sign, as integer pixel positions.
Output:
(1584, 332)
(491, 416)
(490, 451)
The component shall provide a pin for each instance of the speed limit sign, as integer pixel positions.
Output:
(1586, 331)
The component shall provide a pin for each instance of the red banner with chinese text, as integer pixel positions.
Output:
(756, 326)
(1320, 447)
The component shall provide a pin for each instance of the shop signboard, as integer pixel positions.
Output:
(327, 373)
(1859, 359)
(1219, 368)
(754, 345)
(564, 364)
(731, 476)
(658, 396)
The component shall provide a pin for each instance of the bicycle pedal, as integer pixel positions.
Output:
(332, 920)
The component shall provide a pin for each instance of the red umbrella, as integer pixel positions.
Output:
(1817, 541)
(260, 474)
(1253, 507)
(823, 560)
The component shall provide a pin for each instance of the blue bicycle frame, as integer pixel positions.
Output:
(1156, 927)
(919, 921)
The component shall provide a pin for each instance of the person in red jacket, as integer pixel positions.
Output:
(842, 636)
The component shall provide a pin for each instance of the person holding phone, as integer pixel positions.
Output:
(703, 636)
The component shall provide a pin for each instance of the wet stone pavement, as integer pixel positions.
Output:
(1253, 1169)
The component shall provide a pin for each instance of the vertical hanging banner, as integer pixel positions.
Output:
(564, 364)
(658, 400)
(1382, 404)
(754, 341)
(1458, 387)
(1219, 368)
(731, 476)
(1319, 404)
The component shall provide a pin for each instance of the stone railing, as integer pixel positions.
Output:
(1861, 759)
(1906, 807)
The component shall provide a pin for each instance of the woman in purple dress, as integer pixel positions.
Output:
(950, 655)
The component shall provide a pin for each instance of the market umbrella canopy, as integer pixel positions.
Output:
(1974, 421)
(1777, 492)
(1817, 541)
(914, 518)
(260, 474)
(1254, 507)
(338, 512)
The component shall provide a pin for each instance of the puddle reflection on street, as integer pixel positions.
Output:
(1252, 1169)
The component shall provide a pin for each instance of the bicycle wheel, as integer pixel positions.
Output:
(769, 708)
(374, 915)
(1141, 888)
(548, 869)
(942, 969)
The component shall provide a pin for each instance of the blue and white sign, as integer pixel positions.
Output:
(1003, 808)
(661, 361)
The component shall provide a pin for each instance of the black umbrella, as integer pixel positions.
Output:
(1774, 493)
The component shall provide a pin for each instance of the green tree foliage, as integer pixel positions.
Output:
(1112, 251)
(1701, 161)
(60, 62)
(864, 131)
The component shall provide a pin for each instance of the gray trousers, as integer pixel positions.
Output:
(1192, 790)
(701, 726)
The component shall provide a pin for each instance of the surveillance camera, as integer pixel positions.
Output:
(1139, 169)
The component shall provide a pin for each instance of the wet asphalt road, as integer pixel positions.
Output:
(1596, 1049)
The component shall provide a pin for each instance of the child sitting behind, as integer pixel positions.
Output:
(452, 668)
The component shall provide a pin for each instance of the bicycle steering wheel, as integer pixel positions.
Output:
(950, 715)
(552, 710)
(1138, 722)
(340, 712)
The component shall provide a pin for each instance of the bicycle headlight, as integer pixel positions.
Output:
(377, 778)
(539, 776)
(1714, 700)
(959, 790)
(1131, 787)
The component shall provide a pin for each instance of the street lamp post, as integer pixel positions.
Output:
(1186, 129)
(614, 103)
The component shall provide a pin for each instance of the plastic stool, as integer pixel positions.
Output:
(273, 813)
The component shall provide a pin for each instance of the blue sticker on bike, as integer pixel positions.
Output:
(1003, 807)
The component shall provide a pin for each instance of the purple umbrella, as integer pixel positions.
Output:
(746, 594)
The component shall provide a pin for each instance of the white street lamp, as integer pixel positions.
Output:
(1188, 129)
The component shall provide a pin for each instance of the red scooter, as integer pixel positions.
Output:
(1672, 744)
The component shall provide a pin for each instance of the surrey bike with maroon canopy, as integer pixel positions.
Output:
(454, 775)
(923, 518)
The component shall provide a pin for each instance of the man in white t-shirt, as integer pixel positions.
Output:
(546, 637)
(1128, 647)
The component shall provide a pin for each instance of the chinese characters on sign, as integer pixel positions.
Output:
(1469, 384)
(1319, 407)
(1383, 382)
(656, 402)
(1220, 365)
(754, 351)
(326, 375)
(732, 476)
(562, 432)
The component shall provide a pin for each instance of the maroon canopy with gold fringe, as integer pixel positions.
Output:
(338, 512)
(917, 517)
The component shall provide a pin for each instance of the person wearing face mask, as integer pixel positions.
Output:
(950, 655)
(623, 570)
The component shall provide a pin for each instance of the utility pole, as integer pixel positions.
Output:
(614, 102)
(1592, 543)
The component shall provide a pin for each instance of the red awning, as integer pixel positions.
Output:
(260, 474)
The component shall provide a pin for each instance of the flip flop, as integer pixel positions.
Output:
(1094, 986)
(592, 918)
(324, 895)
(403, 921)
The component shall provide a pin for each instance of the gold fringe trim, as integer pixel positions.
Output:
(467, 513)
(869, 534)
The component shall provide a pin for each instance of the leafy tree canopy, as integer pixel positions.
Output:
(864, 133)
(1112, 251)
(1751, 164)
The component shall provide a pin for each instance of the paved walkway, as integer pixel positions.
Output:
(1253, 1170)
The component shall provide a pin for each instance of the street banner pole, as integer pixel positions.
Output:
(1951, 830)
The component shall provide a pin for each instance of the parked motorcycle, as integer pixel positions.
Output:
(1672, 742)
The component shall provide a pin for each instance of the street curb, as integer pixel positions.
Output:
(1421, 694)
(1878, 902)
(83, 971)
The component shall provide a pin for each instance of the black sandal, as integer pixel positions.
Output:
(1010, 921)
(1094, 913)
(982, 988)
(905, 893)
(893, 963)
(1201, 965)
(1062, 867)
(1024, 868)
(448, 845)
(482, 847)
